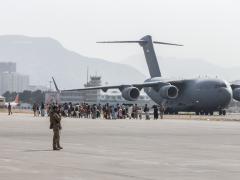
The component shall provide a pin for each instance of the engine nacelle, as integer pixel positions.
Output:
(130, 93)
(169, 92)
(236, 94)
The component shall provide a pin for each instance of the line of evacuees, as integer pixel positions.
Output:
(105, 111)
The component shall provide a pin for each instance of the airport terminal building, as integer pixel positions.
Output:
(2, 101)
(11, 80)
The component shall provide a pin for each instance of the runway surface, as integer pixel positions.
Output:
(120, 149)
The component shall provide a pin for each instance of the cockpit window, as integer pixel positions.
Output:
(211, 86)
(220, 85)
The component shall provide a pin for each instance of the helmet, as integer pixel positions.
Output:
(54, 108)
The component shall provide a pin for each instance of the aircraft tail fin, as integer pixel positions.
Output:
(55, 84)
(17, 99)
(150, 56)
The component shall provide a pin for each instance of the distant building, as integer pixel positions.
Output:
(94, 81)
(10, 80)
(9, 67)
(13, 82)
(2, 101)
(25, 106)
(52, 97)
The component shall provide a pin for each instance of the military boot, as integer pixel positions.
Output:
(59, 147)
(55, 148)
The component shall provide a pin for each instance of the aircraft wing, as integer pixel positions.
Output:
(156, 85)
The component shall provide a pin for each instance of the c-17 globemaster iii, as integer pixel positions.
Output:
(202, 95)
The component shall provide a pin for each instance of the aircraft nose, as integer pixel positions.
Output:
(225, 96)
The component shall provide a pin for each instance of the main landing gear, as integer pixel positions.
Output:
(220, 112)
(204, 113)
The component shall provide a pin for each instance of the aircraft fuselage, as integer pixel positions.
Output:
(197, 95)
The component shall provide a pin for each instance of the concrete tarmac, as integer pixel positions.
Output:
(167, 149)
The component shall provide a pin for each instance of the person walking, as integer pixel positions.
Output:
(155, 112)
(42, 109)
(9, 109)
(37, 111)
(136, 111)
(34, 108)
(55, 125)
(161, 110)
(140, 113)
(146, 111)
(113, 112)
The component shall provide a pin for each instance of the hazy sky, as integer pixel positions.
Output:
(209, 29)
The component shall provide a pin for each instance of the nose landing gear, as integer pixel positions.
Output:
(222, 112)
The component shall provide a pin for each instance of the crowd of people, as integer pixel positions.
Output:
(105, 111)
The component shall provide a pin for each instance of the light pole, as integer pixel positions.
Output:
(50, 82)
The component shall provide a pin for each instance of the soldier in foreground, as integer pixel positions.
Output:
(55, 125)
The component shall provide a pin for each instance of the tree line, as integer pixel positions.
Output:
(30, 97)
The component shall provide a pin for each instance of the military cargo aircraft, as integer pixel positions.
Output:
(202, 95)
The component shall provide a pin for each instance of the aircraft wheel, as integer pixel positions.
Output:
(224, 112)
(211, 113)
(220, 112)
(197, 113)
(167, 111)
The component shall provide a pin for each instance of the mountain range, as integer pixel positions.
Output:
(42, 58)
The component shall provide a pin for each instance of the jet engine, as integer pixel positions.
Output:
(236, 94)
(130, 93)
(169, 92)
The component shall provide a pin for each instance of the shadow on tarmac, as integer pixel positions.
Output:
(37, 150)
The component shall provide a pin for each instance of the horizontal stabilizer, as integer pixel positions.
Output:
(164, 43)
(139, 41)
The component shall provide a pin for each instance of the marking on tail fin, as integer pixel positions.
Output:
(150, 56)
(17, 99)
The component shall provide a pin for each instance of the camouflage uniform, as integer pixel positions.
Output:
(55, 125)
